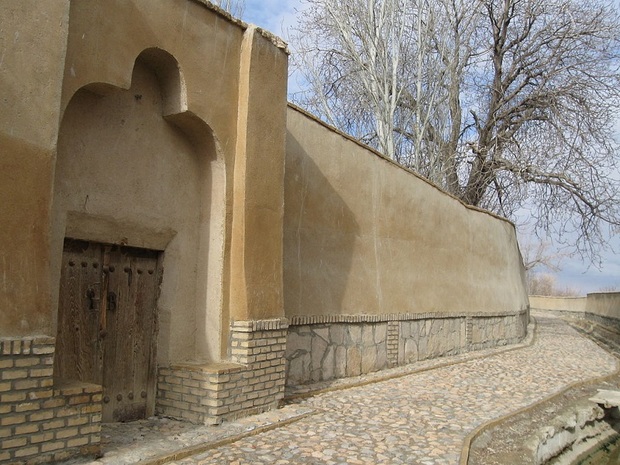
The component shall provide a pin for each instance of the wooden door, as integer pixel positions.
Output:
(107, 324)
(79, 354)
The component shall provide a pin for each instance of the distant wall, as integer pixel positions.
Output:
(604, 304)
(600, 306)
(362, 235)
(576, 305)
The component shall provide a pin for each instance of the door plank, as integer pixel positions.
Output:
(130, 343)
(78, 351)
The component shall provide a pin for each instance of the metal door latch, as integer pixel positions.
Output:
(111, 301)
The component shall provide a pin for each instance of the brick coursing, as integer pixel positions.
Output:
(393, 334)
(39, 421)
(252, 382)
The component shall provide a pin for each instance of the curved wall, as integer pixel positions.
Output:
(381, 268)
(365, 236)
(575, 305)
(604, 304)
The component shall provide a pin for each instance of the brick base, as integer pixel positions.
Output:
(41, 421)
(252, 383)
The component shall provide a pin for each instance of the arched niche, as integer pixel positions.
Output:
(136, 167)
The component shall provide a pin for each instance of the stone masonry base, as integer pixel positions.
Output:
(321, 348)
(42, 421)
(252, 383)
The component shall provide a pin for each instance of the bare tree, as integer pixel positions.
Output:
(540, 255)
(234, 7)
(353, 54)
(507, 104)
(545, 284)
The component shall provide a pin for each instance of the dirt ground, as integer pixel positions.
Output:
(504, 442)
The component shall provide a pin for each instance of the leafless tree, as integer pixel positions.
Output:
(545, 284)
(234, 7)
(507, 104)
(540, 254)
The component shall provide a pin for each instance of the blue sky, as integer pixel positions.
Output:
(278, 16)
(273, 15)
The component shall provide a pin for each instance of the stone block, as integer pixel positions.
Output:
(382, 357)
(355, 334)
(322, 332)
(340, 362)
(328, 364)
(369, 359)
(410, 352)
(299, 369)
(298, 342)
(354, 361)
(337, 334)
(380, 333)
(368, 338)
(318, 349)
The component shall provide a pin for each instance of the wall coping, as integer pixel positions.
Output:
(385, 158)
(250, 326)
(299, 320)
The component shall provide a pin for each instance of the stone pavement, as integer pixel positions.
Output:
(422, 415)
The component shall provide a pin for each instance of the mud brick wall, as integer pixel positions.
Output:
(39, 421)
(323, 347)
(252, 382)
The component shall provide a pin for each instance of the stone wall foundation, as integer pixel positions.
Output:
(322, 348)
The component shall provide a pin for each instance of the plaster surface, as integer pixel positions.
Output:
(365, 236)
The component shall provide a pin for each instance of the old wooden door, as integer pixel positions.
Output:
(107, 324)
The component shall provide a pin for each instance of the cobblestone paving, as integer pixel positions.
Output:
(422, 418)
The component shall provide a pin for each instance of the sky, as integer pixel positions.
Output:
(274, 15)
(577, 274)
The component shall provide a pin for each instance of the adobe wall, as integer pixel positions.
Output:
(163, 125)
(600, 307)
(605, 305)
(156, 125)
(382, 268)
(575, 306)
(29, 115)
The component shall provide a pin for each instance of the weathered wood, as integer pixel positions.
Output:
(78, 355)
(107, 324)
(130, 374)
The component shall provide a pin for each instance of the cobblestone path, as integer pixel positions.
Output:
(422, 418)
